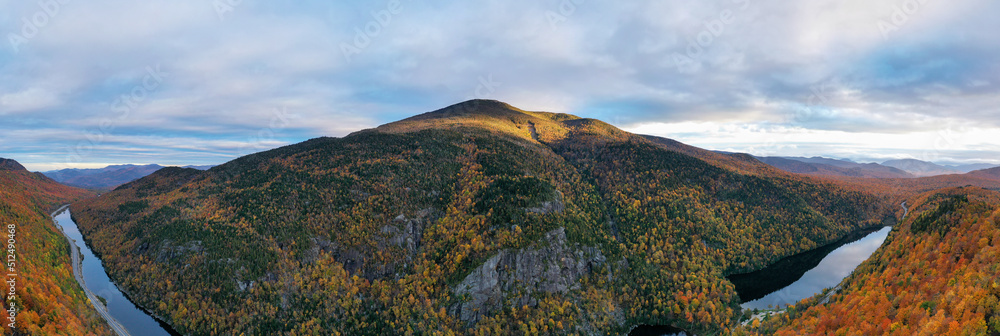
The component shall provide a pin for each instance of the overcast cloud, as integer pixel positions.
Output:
(86, 84)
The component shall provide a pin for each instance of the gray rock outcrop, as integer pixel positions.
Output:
(511, 277)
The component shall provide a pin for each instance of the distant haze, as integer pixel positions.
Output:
(192, 82)
(106, 178)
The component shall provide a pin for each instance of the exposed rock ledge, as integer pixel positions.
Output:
(510, 277)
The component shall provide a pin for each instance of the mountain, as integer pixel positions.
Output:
(935, 275)
(832, 167)
(48, 299)
(106, 178)
(10, 165)
(968, 168)
(825, 161)
(476, 218)
(920, 168)
(103, 178)
(200, 167)
(992, 173)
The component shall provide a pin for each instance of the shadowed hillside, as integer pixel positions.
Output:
(477, 218)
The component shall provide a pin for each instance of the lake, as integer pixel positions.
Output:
(131, 316)
(786, 282)
(804, 275)
(792, 279)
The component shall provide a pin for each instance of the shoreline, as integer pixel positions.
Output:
(77, 263)
(169, 329)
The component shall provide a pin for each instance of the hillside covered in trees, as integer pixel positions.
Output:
(936, 275)
(479, 218)
(48, 299)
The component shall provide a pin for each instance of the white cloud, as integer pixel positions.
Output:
(28, 100)
(817, 70)
(775, 140)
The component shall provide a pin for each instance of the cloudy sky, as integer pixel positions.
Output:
(86, 84)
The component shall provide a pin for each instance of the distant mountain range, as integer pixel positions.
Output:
(834, 167)
(924, 168)
(972, 167)
(905, 168)
(106, 178)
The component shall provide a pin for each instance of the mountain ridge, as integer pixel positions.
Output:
(107, 178)
(920, 168)
(424, 206)
(824, 166)
(9, 164)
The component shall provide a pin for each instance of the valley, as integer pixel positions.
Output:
(803, 275)
(935, 275)
(482, 218)
(532, 222)
(77, 273)
(500, 168)
(124, 317)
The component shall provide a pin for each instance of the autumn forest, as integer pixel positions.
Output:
(484, 219)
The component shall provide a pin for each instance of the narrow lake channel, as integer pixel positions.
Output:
(131, 316)
(784, 283)
(803, 275)
(792, 279)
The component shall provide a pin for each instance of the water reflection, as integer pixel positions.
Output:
(828, 273)
(131, 316)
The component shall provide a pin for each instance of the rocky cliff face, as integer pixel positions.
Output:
(510, 277)
(409, 232)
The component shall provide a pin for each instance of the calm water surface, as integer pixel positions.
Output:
(133, 318)
(831, 270)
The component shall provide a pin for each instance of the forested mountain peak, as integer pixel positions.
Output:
(485, 108)
(8, 164)
(437, 206)
(497, 117)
